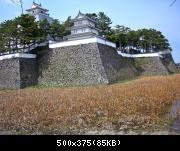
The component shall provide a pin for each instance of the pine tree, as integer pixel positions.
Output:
(43, 30)
(56, 30)
(28, 30)
(67, 25)
(103, 23)
(92, 16)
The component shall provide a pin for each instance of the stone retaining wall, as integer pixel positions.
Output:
(150, 66)
(28, 72)
(169, 63)
(17, 73)
(87, 64)
(9, 74)
(116, 67)
(79, 65)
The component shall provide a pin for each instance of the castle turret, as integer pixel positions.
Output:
(84, 27)
(39, 12)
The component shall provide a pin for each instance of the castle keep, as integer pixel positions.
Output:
(84, 58)
(39, 12)
(84, 27)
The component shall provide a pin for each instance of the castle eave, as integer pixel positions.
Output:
(31, 9)
(80, 19)
(84, 26)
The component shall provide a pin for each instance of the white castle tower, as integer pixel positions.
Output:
(83, 28)
(39, 12)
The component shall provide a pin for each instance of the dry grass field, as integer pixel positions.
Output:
(144, 101)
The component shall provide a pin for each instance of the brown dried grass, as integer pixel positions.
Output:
(34, 109)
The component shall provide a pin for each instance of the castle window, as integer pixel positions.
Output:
(83, 30)
(74, 31)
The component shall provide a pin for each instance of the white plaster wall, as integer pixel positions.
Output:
(158, 54)
(82, 41)
(17, 55)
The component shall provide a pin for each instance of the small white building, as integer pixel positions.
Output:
(83, 28)
(83, 31)
(39, 12)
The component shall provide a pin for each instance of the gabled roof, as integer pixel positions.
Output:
(36, 6)
(81, 16)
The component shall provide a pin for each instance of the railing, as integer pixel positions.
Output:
(25, 50)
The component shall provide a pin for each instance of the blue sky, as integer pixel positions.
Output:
(135, 14)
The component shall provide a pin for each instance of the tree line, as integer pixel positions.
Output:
(128, 40)
(23, 32)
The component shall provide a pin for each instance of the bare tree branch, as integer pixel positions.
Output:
(18, 2)
(172, 3)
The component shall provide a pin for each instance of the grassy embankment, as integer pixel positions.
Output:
(144, 101)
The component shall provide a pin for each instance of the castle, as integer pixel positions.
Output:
(85, 58)
(39, 12)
